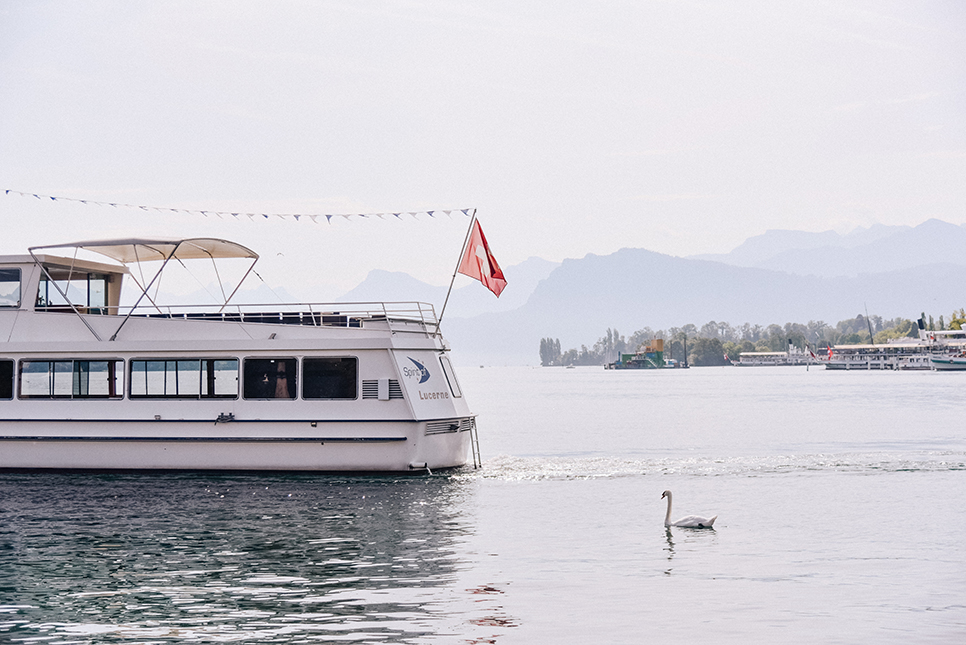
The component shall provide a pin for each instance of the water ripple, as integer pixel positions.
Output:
(576, 468)
(192, 558)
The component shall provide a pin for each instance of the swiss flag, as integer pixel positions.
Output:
(479, 263)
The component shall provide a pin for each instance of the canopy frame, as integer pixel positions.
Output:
(131, 251)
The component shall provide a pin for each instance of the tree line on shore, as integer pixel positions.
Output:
(718, 343)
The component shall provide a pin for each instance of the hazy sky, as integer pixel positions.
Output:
(574, 127)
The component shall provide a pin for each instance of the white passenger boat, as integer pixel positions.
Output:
(794, 356)
(86, 383)
(877, 357)
(911, 354)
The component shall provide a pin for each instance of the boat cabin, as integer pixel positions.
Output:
(59, 284)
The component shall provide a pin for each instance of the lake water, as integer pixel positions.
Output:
(841, 503)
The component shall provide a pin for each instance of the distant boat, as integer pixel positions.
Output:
(792, 357)
(878, 357)
(949, 363)
(932, 350)
(647, 357)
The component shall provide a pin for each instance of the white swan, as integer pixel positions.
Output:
(690, 521)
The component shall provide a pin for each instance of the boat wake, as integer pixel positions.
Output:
(592, 467)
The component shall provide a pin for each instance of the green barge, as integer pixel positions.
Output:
(647, 357)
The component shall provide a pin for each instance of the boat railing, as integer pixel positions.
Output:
(332, 314)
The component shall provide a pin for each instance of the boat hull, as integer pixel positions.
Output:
(382, 447)
(860, 365)
(948, 364)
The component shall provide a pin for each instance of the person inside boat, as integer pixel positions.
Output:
(270, 378)
(281, 382)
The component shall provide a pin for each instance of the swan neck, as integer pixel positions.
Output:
(667, 518)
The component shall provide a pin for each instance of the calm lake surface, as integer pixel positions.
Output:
(841, 503)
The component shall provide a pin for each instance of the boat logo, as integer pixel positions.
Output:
(419, 371)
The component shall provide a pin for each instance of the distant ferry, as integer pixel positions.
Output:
(86, 383)
(930, 350)
(898, 356)
(793, 356)
(923, 353)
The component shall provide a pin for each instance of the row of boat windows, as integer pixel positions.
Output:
(88, 290)
(190, 378)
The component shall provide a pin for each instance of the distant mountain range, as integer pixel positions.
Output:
(778, 277)
(466, 301)
(876, 249)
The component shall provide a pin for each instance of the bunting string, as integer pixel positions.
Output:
(315, 217)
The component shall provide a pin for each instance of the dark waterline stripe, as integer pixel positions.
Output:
(213, 439)
(213, 421)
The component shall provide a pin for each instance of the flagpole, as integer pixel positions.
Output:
(469, 230)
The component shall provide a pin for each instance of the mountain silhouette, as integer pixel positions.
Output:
(777, 277)
(635, 288)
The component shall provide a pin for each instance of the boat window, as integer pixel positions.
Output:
(187, 378)
(454, 385)
(71, 379)
(49, 296)
(329, 378)
(85, 290)
(270, 378)
(97, 292)
(9, 287)
(6, 379)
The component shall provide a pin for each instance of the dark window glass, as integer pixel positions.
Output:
(270, 378)
(329, 378)
(6, 379)
(188, 378)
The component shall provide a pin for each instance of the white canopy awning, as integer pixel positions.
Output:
(137, 250)
(132, 250)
